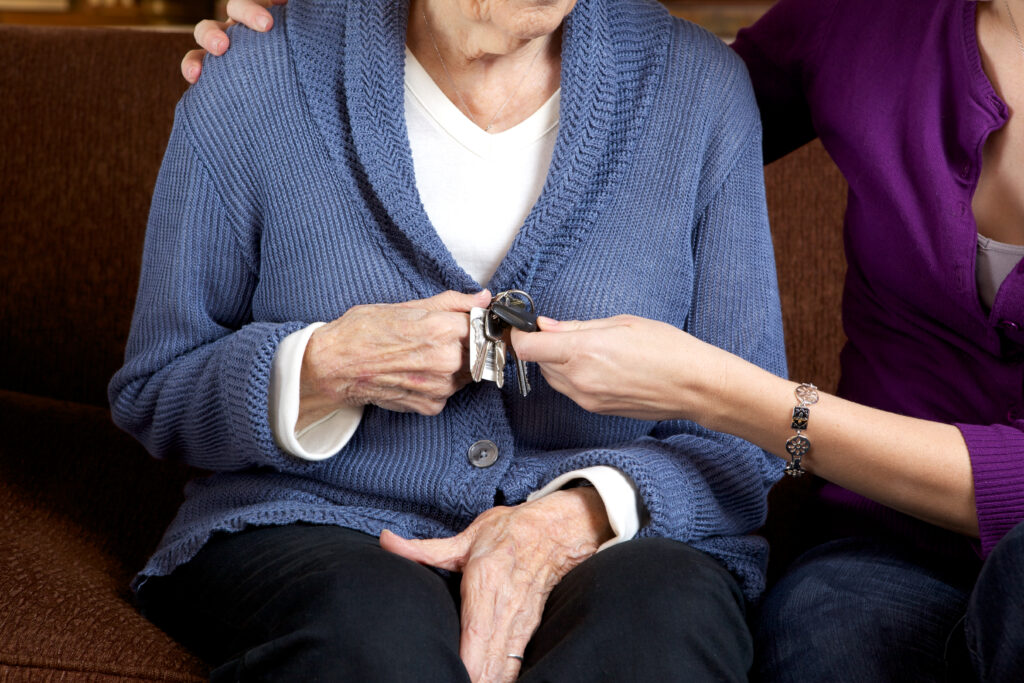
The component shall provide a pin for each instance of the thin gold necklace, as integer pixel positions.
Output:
(1013, 26)
(462, 100)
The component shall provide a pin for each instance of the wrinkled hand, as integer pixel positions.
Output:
(407, 357)
(626, 365)
(211, 37)
(511, 558)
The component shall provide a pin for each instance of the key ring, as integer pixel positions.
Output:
(503, 297)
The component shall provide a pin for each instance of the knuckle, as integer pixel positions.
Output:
(439, 326)
(449, 360)
(200, 29)
(588, 402)
(360, 311)
(432, 408)
(441, 395)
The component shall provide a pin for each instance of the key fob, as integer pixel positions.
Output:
(515, 316)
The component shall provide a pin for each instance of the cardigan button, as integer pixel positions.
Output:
(483, 453)
(1009, 325)
(1016, 412)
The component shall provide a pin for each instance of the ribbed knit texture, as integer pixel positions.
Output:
(910, 145)
(998, 489)
(288, 195)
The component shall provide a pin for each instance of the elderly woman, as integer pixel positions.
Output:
(330, 191)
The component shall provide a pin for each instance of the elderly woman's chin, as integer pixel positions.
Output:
(529, 19)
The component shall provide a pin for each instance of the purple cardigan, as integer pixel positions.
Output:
(897, 94)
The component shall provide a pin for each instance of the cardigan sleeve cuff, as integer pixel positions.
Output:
(618, 493)
(326, 436)
(998, 470)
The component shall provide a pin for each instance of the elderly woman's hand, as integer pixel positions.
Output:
(211, 37)
(511, 558)
(407, 357)
(629, 366)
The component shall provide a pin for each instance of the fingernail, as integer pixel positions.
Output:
(263, 23)
(193, 74)
(546, 321)
(218, 46)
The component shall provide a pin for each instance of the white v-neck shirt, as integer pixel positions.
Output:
(477, 189)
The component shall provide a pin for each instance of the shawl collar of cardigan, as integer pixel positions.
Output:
(350, 57)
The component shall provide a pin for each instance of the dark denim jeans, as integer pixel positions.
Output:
(316, 603)
(870, 611)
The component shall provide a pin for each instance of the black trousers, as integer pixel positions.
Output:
(320, 603)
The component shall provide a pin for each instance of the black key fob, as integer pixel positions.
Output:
(516, 316)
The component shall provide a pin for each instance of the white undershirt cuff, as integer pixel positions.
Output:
(326, 436)
(618, 493)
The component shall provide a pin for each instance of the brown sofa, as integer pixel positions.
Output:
(84, 117)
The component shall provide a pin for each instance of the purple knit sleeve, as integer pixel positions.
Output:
(781, 53)
(997, 458)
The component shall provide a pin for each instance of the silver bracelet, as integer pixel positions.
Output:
(799, 445)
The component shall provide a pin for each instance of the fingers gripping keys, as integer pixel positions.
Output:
(487, 332)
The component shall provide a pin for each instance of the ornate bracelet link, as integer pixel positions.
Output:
(798, 445)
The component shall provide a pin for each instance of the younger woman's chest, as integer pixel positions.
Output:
(998, 202)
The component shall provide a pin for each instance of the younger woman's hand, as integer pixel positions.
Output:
(211, 37)
(626, 365)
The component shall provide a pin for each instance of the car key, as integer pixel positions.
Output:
(512, 312)
(515, 314)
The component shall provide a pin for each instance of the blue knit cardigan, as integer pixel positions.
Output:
(287, 195)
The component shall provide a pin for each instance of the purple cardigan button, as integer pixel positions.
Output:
(1009, 325)
(1016, 412)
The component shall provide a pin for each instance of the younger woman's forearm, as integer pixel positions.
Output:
(919, 467)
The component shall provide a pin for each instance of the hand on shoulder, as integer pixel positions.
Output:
(212, 38)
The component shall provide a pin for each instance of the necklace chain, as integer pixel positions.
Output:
(1013, 26)
(462, 100)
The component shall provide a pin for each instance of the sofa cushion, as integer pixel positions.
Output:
(81, 504)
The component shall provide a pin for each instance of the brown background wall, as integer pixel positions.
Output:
(723, 17)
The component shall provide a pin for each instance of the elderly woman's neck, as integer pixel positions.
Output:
(496, 60)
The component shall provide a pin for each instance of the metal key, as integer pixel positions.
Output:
(486, 347)
(524, 383)
(494, 368)
(512, 312)
(487, 333)
(478, 343)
